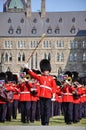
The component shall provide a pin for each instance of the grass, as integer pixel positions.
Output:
(54, 121)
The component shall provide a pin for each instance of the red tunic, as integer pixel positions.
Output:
(47, 84)
(67, 93)
(25, 94)
(58, 94)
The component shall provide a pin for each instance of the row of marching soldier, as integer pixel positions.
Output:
(37, 95)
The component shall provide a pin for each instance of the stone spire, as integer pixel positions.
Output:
(43, 10)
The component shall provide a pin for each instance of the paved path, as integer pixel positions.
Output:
(41, 128)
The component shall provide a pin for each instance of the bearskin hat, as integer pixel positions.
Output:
(9, 76)
(2, 76)
(75, 74)
(45, 65)
(69, 73)
(15, 78)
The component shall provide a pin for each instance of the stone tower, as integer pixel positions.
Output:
(43, 10)
(28, 8)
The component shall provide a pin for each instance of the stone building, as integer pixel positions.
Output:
(21, 30)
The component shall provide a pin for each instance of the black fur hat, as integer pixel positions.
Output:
(15, 78)
(69, 73)
(45, 65)
(2, 76)
(9, 76)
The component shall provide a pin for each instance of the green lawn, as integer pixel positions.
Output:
(54, 121)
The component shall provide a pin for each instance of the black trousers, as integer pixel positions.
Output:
(68, 111)
(25, 111)
(45, 107)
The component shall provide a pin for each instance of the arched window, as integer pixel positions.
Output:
(62, 57)
(84, 44)
(31, 44)
(84, 56)
(19, 57)
(71, 57)
(57, 57)
(45, 56)
(6, 57)
(49, 56)
(23, 57)
(75, 57)
(10, 57)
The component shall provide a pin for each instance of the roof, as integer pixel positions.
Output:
(64, 21)
(15, 3)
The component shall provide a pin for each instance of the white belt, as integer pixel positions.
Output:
(43, 86)
(67, 94)
(83, 95)
(24, 92)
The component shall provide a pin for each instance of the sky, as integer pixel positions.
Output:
(55, 5)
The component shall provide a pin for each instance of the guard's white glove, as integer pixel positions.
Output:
(53, 97)
(26, 66)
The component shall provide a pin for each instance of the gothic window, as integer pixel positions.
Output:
(71, 57)
(84, 56)
(6, 57)
(62, 43)
(44, 44)
(45, 56)
(84, 44)
(21, 44)
(75, 44)
(58, 57)
(10, 57)
(19, 57)
(35, 43)
(57, 44)
(2, 57)
(31, 44)
(49, 56)
(75, 57)
(23, 57)
(62, 57)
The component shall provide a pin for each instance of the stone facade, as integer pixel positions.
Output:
(66, 51)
